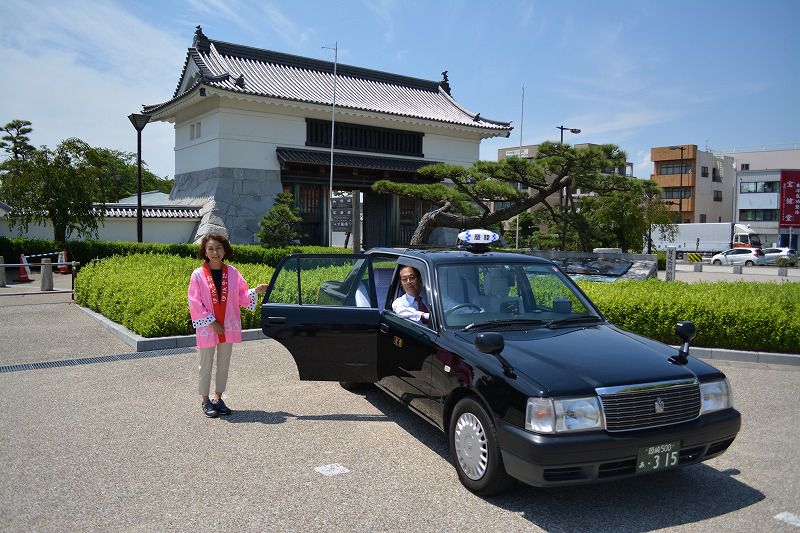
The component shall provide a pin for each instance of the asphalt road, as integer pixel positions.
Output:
(122, 445)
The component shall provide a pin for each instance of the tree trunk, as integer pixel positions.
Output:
(426, 225)
(59, 232)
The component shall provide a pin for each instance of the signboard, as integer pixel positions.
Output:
(342, 213)
(671, 261)
(789, 199)
(519, 152)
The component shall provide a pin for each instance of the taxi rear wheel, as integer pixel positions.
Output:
(474, 449)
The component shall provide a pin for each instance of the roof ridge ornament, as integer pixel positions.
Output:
(200, 41)
(444, 84)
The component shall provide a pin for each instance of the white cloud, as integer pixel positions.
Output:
(384, 12)
(618, 122)
(85, 70)
(226, 9)
(642, 165)
(286, 29)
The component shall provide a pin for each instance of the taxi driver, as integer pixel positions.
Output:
(411, 305)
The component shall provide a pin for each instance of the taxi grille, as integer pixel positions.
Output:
(650, 405)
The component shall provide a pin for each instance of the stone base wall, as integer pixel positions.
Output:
(235, 199)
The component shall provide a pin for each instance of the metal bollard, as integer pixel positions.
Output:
(2, 272)
(47, 274)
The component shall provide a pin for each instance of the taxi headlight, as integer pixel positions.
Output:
(548, 415)
(715, 396)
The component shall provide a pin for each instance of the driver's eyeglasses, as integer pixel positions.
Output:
(407, 279)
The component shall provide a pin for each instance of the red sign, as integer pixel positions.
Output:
(790, 199)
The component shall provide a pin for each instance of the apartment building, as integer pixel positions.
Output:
(697, 185)
(768, 192)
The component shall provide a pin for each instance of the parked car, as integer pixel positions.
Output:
(739, 256)
(515, 365)
(771, 255)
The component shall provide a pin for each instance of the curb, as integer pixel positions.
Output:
(721, 354)
(144, 344)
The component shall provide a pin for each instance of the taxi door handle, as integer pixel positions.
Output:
(384, 327)
(276, 320)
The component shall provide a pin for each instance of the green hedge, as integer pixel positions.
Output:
(86, 251)
(734, 315)
(147, 293)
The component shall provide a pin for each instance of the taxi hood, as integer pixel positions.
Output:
(575, 361)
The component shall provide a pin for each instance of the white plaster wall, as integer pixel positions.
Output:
(450, 149)
(171, 231)
(201, 153)
(248, 139)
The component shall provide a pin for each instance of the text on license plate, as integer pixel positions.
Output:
(658, 457)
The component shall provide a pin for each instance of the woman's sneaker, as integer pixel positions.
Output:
(222, 409)
(210, 410)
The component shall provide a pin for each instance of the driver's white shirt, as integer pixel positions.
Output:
(406, 307)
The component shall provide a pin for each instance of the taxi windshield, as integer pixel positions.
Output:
(510, 295)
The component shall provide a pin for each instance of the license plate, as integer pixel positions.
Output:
(658, 457)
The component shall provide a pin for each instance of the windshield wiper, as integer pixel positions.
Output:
(514, 321)
(573, 320)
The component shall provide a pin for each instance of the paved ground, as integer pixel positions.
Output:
(122, 445)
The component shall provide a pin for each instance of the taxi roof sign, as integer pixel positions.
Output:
(478, 236)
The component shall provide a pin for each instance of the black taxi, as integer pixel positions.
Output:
(510, 359)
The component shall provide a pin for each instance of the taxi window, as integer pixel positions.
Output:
(515, 292)
(330, 281)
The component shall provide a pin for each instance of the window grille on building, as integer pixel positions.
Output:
(364, 138)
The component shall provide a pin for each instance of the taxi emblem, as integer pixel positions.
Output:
(659, 405)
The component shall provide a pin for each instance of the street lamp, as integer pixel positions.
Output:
(571, 130)
(139, 122)
(680, 196)
(564, 193)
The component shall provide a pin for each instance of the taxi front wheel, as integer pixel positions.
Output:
(474, 449)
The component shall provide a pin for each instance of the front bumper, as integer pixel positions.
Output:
(553, 460)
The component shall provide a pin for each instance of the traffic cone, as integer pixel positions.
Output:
(24, 270)
(63, 268)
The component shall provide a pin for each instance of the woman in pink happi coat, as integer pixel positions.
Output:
(216, 291)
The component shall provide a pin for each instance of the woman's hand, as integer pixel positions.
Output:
(218, 328)
(261, 289)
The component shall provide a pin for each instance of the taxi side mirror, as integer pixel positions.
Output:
(492, 343)
(687, 332)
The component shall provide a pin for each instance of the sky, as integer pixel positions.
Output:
(636, 73)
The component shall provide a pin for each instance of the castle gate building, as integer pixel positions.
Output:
(251, 123)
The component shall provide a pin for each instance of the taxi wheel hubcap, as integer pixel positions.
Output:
(470, 446)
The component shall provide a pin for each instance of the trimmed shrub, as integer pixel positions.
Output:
(147, 293)
(734, 315)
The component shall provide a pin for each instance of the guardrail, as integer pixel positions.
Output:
(45, 269)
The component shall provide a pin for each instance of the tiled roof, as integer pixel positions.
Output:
(150, 211)
(245, 70)
(316, 157)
